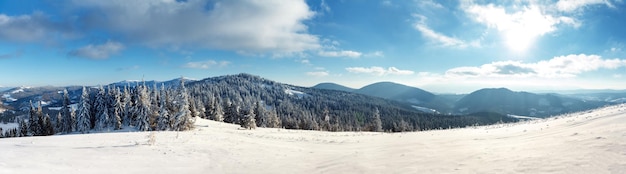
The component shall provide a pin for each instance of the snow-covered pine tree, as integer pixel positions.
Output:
(60, 126)
(128, 107)
(261, 115)
(47, 128)
(193, 110)
(182, 116)
(83, 122)
(326, 119)
(40, 118)
(217, 113)
(102, 110)
(142, 110)
(231, 112)
(377, 125)
(201, 109)
(164, 114)
(247, 119)
(23, 128)
(272, 118)
(118, 108)
(65, 114)
(154, 107)
(33, 120)
(73, 120)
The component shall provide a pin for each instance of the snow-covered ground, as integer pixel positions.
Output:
(586, 142)
(72, 106)
(300, 94)
(6, 127)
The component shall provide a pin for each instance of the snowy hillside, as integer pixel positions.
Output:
(586, 142)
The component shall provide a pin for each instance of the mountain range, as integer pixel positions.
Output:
(498, 100)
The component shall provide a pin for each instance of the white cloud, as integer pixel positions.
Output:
(206, 64)
(429, 4)
(102, 51)
(557, 67)
(318, 73)
(573, 5)
(29, 28)
(439, 38)
(375, 54)
(379, 71)
(348, 53)
(520, 23)
(246, 25)
(305, 61)
(520, 26)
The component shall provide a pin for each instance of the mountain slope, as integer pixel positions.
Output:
(505, 101)
(399, 92)
(592, 142)
(333, 86)
(306, 108)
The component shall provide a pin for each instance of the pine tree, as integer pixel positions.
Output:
(182, 116)
(377, 125)
(142, 110)
(272, 119)
(33, 121)
(83, 122)
(218, 113)
(102, 110)
(66, 123)
(47, 128)
(40, 120)
(154, 107)
(60, 126)
(231, 112)
(247, 120)
(23, 128)
(326, 123)
(261, 115)
(164, 115)
(118, 109)
(128, 106)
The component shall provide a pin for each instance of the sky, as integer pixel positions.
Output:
(447, 46)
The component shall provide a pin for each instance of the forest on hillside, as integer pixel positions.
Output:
(243, 99)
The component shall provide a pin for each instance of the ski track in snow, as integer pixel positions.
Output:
(586, 142)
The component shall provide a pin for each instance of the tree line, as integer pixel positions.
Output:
(139, 108)
(243, 99)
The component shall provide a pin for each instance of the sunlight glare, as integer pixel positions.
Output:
(519, 40)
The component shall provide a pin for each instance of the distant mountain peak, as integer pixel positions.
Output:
(333, 86)
(396, 91)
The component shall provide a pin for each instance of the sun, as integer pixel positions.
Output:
(519, 40)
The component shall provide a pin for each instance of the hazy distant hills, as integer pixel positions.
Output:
(333, 86)
(500, 100)
(397, 92)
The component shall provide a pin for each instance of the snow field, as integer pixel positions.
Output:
(586, 142)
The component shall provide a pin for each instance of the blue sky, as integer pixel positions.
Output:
(448, 46)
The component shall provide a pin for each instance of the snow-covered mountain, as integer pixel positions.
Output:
(4, 88)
